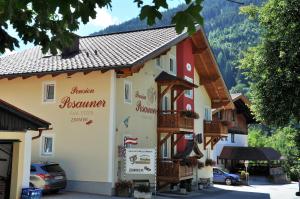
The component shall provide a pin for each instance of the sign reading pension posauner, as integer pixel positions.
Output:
(140, 161)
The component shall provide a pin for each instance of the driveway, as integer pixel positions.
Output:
(254, 191)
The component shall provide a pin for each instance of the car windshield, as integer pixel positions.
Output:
(52, 168)
(219, 171)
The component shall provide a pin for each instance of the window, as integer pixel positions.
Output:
(220, 115)
(127, 92)
(207, 114)
(158, 62)
(233, 115)
(173, 68)
(232, 137)
(47, 145)
(165, 103)
(49, 92)
(165, 149)
(188, 93)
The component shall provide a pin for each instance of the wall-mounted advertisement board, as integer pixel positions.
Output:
(140, 161)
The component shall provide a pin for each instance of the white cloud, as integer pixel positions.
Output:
(104, 18)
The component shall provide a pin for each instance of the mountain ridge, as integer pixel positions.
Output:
(228, 33)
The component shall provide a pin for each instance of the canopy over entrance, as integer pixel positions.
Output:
(250, 153)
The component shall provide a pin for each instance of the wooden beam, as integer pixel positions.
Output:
(167, 89)
(180, 93)
(199, 50)
(137, 68)
(26, 77)
(172, 99)
(41, 75)
(88, 72)
(209, 80)
(165, 139)
(11, 78)
(56, 74)
(178, 139)
(172, 146)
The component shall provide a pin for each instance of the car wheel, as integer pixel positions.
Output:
(228, 181)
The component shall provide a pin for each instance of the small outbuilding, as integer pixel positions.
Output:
(264, 159)
(15, 148)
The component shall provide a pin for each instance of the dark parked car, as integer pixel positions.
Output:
(47, 176)
(223, 177)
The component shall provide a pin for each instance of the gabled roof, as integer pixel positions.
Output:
(15, 119)
(165, 78)
(125, 52)
(102, 52)
(242, 104)
(240, 96)
(250, 153)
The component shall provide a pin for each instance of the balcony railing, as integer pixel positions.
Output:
(215, 128)
(172, 171)
(173, 119)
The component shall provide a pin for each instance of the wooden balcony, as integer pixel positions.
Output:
(172, 120)
(173, 172)
(215, 128)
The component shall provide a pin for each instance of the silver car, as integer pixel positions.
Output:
(47, 176)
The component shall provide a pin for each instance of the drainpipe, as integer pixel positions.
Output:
(40, 133)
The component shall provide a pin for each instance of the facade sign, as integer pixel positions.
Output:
(81, 104)
(140, 161)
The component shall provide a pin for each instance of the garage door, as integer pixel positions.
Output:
(5, 169)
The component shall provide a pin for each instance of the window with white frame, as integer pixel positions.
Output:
(165, 153)
(127, 92)
(188, 93)
(48, 91)
(207, 114)
(172, 66)
(158, 62)
(47, 147)
(165, 104)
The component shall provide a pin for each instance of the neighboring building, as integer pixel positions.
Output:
(237, 121)
(16, 128)
(131, 84)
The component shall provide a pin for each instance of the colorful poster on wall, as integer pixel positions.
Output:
(140, 161)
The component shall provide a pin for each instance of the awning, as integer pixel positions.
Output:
(165, 78)
(250, 153)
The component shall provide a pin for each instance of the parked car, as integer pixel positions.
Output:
(221, 176)
(47, 176)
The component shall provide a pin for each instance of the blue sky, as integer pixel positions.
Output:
(122, 10)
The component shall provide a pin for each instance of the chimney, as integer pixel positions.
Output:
(73, 48)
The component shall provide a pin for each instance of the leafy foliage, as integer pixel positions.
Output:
(273, 65)
(286, 140)
(51, 23)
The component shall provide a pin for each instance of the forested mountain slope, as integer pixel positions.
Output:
(228, 32)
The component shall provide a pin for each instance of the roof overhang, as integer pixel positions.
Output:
(165, 79)
(209, 72)
(250, 153)
(15, 119)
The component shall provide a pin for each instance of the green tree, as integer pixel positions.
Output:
(286, 141)
(273, 66)
(50, 23)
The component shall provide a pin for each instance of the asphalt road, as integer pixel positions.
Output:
(258, 191)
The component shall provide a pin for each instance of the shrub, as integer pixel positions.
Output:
(210, 162)
(143, 188)
(123, 184)
(200, 164)
(189, 114)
